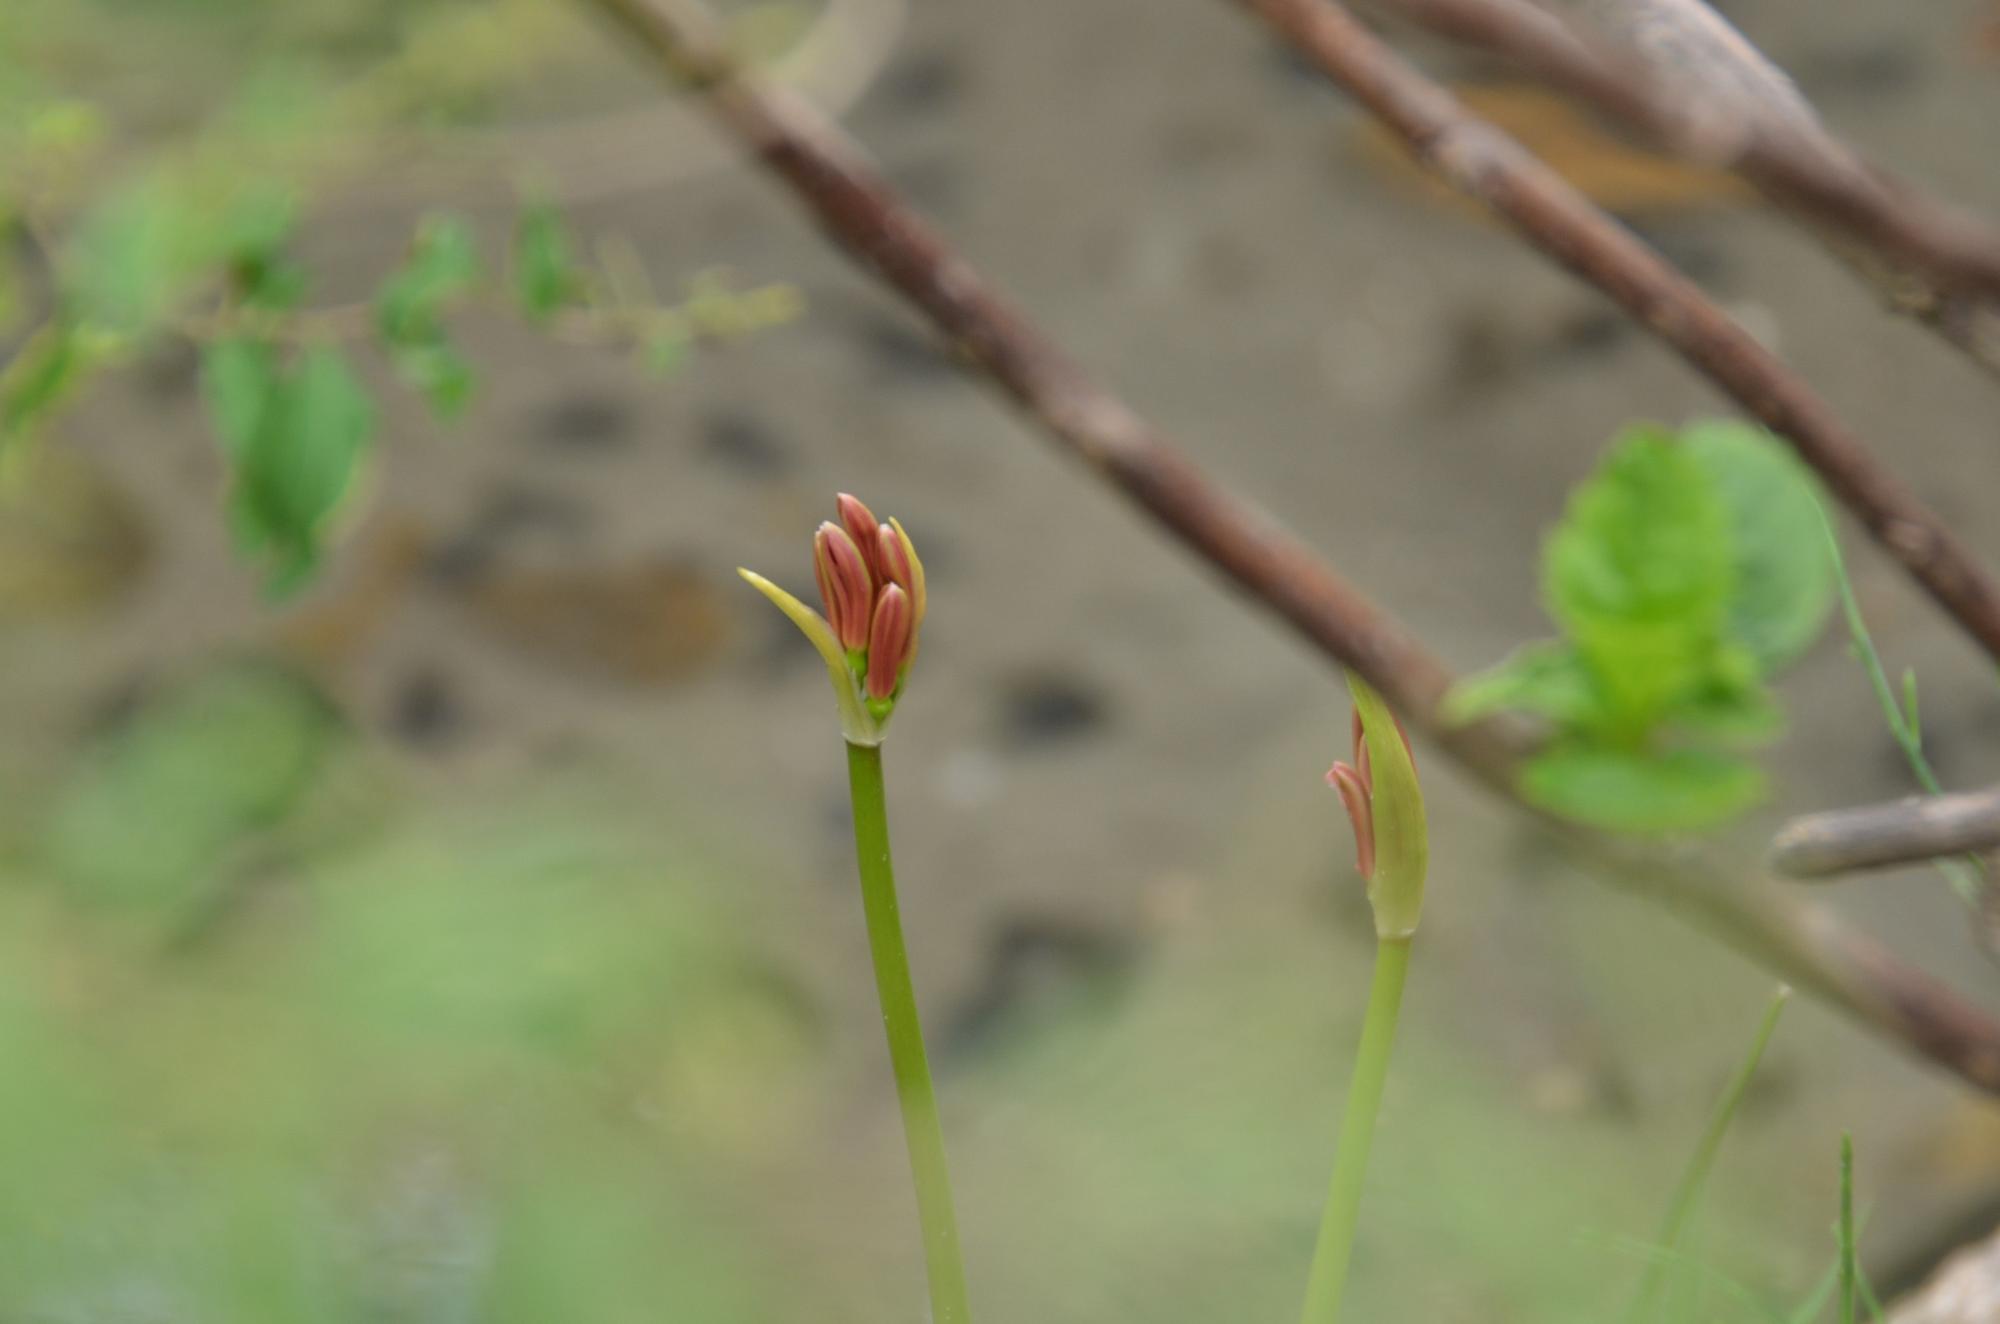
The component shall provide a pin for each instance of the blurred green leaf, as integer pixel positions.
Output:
(1674, 791)
(546, 277)
(257, 230)
(1544, 678)
(1638, 574)
(441, 374)
(239, 378)
(295, 439)
(1730, 710)
(1782, 592)
(443, 265)
(410, 313)
(37, 378)
(136, 251)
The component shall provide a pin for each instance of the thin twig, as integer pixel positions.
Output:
(1693, 84)
(828, 176)
(1883, 836)
(1489, 166)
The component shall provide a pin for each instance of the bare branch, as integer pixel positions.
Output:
(1881, 836)
(828, 177)
(1487, 165)
(1694, 84)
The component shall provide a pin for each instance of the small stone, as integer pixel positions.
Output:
(744, 443)
(1047, 709)
(426, 710)
(587, 424)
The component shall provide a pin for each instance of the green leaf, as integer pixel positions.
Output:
(546, 277)
(238, 378)
(1638, 574)
(443, 265)
(1547, 678)
(255, 233)
(1677, 791)
(440, 373)
(39, 376)
(1783, 591)
(410, 314)
(136, 252)
(1741, 713)
(295, 441)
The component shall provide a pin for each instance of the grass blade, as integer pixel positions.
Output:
(1687, 1193)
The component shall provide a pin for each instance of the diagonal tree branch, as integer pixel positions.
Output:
(828, 176)
(1881, 836)
(1554, 217)
(1689, 81)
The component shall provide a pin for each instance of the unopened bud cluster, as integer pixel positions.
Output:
(872, 587)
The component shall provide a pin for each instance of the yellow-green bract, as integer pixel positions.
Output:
(1402, 840)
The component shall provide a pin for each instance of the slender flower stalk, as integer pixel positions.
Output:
(872, 586)
(1384, 803)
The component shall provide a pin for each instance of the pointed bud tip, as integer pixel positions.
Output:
(860, 523)
(846, 582)
(889, 641)
(1354, 799)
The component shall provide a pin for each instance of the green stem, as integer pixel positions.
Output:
(1688, 1191)
(1357, 1131)
(921, 1127)
(1848, 1258)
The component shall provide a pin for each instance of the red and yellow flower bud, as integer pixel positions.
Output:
(861, 525)
(872, 585)
(846, 584)
(889, 642)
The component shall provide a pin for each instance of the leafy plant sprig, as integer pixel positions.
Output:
(194, 248)
(1683, 577)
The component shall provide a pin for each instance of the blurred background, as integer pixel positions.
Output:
(457, 921)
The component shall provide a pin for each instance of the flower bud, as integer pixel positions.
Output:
(861, 525)
(1353, 788)
(872, 584)
(845, 583)
(1397, 836)
(889, 641)
(900, 566)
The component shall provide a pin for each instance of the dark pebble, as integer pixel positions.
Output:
(1051, 709)
(585, 424)
(426, 710)
(743, 443)
(1589, 333)
(506, 516)
(1038, 968)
